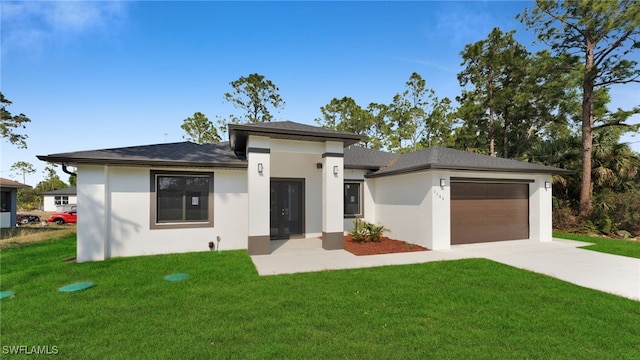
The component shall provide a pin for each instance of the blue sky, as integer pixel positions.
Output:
(94, 75)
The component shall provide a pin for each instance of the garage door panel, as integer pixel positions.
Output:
(482, 212)
(519, 233)
(494, 232)
(493, 208)
(516, 207)
(469, 191)
(517, 191)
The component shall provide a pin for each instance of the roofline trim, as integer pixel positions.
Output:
(124, 162)
(259, 130)
(468, 168)
(239, 133)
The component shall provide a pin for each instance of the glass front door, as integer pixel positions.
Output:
(287, 208)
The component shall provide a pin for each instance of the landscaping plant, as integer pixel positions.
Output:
(364, 231)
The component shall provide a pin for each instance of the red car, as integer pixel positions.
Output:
(67, 217)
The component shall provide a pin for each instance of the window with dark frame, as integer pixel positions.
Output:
(182, 198)
(61, 200)
(353, 199)
(5, 201)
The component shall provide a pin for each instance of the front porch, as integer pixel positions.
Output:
(295, 179)
(307, 255)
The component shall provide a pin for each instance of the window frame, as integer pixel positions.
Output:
(5, 199)
(59, 200)
(153, 210)
(360, 184)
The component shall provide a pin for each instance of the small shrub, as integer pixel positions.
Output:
(359, 231)
(617, 211)
(364, 231)
(564, 217)
(374, 231)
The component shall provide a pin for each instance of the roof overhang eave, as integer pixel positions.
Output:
(469, 168)
(136, 162)
(238, 134)
(362, 167)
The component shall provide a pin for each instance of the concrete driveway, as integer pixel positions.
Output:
(561, 259)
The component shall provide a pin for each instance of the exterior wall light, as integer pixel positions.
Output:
(443, 183)
(318, 165)
(260, 168)
(547, 185)
(335, 170)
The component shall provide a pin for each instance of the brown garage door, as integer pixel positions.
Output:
(483, 212)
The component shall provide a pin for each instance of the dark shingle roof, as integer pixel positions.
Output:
(380, 163)
(357, 157)
(445, 158)
(7, 183)
(71, 190)
(290, 127)
(172, 154)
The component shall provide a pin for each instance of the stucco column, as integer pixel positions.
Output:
(439, 219)
(332, 196)
(540, 209)
(92, 231)
(259, 192)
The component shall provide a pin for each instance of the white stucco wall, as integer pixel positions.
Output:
(49, 203)
(332, 189)
(5, 220)
(540, 209)
(114, 215)
(91, 227)
(402, 205)
(258, 199)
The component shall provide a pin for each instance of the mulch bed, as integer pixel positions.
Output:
(384, 246)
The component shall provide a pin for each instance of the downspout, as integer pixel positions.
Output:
(67, 171)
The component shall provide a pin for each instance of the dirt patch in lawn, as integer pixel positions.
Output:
(384, 246)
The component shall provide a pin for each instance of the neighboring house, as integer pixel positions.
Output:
(61, 199)
(9, 201)
(284, 180)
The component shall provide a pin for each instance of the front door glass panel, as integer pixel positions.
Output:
(286, 208)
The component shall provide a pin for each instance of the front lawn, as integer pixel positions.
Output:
(630, 248)
(454, 309)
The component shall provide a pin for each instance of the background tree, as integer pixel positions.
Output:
(400, 123)
(254, 95)
(413, 115)
(604, 33)
(26, 197)
(199, 129)
(346, 115)
(416, 94)
(493, 71)
(440, 122)
(379, 131)
(22, 168)
(510, 94)
(9, 124)
(51, 181)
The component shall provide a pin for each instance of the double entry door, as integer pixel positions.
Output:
(287, 208)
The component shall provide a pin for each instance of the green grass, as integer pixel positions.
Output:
(630, 248)
(224, 310)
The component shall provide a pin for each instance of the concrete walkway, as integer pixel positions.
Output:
(560, 259)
